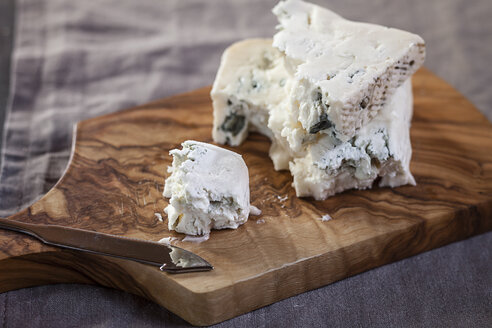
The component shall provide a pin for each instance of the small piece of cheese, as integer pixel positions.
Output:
(208, 189)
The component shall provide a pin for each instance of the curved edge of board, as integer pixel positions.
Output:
(201, 307)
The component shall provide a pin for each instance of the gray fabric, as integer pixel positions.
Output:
(6, 36)
(74, 60)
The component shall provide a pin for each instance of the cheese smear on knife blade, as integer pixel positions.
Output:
(208, 189)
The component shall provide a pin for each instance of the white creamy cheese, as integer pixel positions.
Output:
(252, 82)
(326, 165)
(334, 96)
(381, 149)
(345, 71)
(208, 189)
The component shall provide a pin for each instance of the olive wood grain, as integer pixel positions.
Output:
(114, 183)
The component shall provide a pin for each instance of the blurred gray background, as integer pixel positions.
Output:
(64, 61)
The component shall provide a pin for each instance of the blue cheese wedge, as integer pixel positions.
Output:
(327, 165)
(381, 149)
(345, 72)
(333, 95)
(208, 189)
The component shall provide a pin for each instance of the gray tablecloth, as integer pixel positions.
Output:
(78, 59)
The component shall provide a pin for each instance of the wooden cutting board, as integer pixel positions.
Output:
(116, 175)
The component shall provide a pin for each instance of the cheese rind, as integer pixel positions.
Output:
(381, 149)
(201, 194)
(345, 71)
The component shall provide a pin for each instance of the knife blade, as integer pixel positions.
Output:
(169, 258)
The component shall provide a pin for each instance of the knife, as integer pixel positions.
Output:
(169, 258)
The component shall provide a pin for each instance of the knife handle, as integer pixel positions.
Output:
(82, 240)
(59, 236)
(22, 227)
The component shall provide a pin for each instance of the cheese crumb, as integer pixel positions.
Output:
(283, 199)
(253, 210)
(196, 239)
(159, 216)
(167, 240)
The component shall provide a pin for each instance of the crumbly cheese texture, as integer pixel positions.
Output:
(208, 189)
(345, 72)
(381, 149)
(334, 96)
(329, 165)
(251, 80)
(251, 83)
